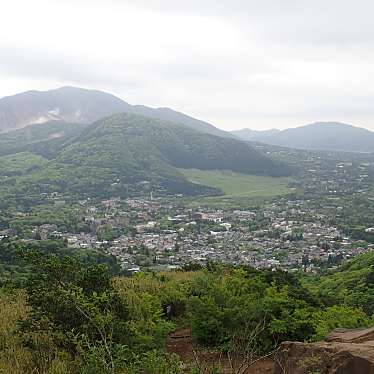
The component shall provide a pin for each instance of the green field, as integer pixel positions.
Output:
(238, 188)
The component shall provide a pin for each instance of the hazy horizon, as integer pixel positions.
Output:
(233, 64)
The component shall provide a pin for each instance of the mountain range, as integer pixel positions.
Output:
(78, 140)
(332, 136)
(81, 107)
(78, 105)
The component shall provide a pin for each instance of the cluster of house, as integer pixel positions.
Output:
(283, 234)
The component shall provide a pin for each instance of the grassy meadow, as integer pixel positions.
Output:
(238, 188)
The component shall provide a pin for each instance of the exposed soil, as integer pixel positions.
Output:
(180, 342)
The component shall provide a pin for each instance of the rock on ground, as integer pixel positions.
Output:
(342, 352)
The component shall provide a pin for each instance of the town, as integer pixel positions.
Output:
(160, 234)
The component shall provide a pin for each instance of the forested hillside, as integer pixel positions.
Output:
(122, 154)
(44, 139)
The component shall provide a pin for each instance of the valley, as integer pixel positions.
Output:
(314, 220)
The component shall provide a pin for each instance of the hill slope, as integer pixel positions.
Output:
(80, 105)
(131, 152)
(45, 139)
(129, 136)
(332, 136)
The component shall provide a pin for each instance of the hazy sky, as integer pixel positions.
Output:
(257, 64)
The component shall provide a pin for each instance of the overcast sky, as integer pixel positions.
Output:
(257, 64)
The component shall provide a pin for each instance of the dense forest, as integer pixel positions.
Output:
(74, 313)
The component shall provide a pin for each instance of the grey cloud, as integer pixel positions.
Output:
(52, 64)
(283, 62)
(290, 21)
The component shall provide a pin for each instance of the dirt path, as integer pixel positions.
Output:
(180, 342)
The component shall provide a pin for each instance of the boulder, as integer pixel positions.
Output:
(343, 352)
(351, 335)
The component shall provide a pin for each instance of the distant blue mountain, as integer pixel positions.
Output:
(334, 136)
